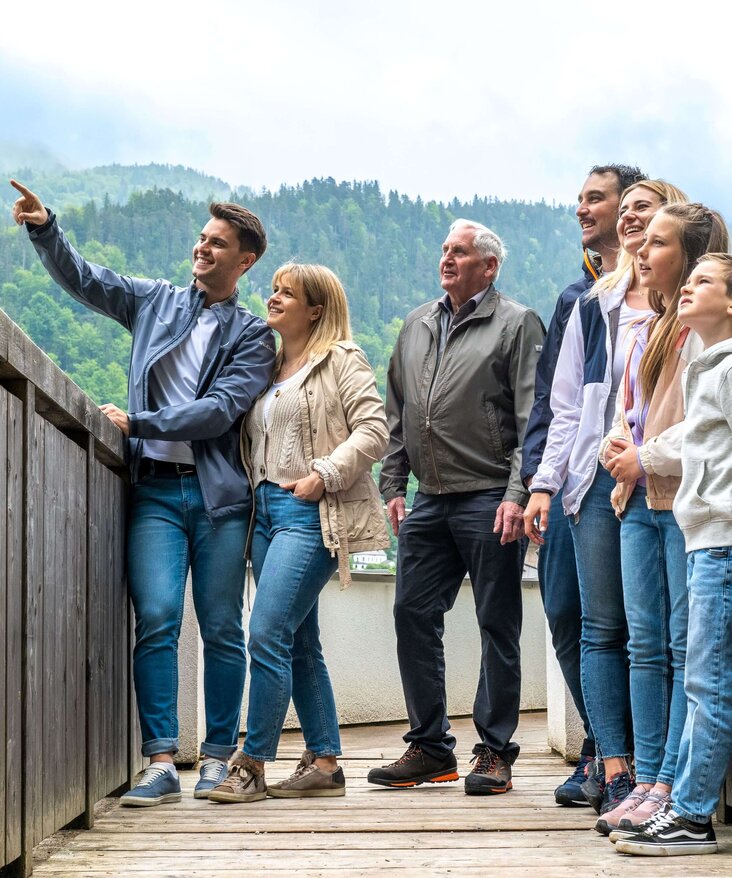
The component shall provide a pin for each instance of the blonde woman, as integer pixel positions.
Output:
(308, 444)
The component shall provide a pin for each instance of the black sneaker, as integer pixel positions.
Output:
(594, 787)
(670, 835)
(491, 774)
(617, 790)
(570, 792)
(415, 767)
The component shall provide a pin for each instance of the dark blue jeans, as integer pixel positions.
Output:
(560, 593)
(169, 532)
(442, 538)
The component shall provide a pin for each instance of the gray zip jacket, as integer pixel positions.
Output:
(703, 503)
(459, 425)
(236, 368)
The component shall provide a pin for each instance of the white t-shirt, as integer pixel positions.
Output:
(277, 388)
(628, 317)
(174, 380)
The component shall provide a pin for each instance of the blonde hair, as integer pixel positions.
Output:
(701, 230)
(320, 286)
(668, 194)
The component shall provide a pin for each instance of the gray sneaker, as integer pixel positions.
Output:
(213, 772)
(309, 781)
(245, 782)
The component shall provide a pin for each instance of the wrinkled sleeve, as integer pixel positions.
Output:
(396, 468)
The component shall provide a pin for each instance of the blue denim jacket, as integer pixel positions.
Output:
(236, 368)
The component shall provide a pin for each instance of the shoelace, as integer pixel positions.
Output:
(618, 788)
(662, 819)
(211, 770)
(411, 751)
(485, 761)
(150, 775)
(578, 775)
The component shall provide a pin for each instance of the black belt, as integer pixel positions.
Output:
(165, 469)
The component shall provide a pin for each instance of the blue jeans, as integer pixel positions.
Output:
(560, 593)
(442, 538)
(291, 567)
(706, 742)
(656, 606)
(169, 532)
(604, 656)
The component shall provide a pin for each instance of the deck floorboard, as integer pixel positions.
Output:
(425, 831)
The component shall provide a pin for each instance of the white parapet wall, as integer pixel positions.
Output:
(357, 631)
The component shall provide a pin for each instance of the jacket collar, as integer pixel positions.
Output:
(613, 298)
(484, 308)
(715, 354)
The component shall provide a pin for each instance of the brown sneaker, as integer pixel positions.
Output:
(491, 774)
(245, 782)
(309, 780)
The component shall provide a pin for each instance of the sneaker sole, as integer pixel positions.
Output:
(572, 803)
(486, 790)
(141, 802)
(438, 777)
(231, 798)
(678, 849)
(202, 794)
(305, 794)
(617, 834)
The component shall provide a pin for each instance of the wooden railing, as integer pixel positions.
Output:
(67, 731)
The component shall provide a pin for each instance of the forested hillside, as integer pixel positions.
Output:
(144, 220)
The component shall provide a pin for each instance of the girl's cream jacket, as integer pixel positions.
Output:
(344, 433)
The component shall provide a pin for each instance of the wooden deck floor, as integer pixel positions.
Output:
(426, 831)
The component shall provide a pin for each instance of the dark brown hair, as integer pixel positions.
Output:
(249, 229)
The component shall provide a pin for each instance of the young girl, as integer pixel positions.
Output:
(704, 512)
(652, 548)
(589, 369)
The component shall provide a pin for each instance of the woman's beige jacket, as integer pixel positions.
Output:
(344, 431)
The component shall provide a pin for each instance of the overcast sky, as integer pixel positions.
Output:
(515, 100)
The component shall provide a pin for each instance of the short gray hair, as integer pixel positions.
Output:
(486, 241)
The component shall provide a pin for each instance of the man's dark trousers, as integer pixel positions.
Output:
(561, 596)
(442, 538)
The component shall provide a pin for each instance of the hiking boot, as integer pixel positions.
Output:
(638, 819)
(570, 792)
(415, 767)
(156, 786)
(245, 782)
(611, 819)
(491, 774)
(594, 786)
(309, 781)
(670, 835)
(212, 773)
(617, 790)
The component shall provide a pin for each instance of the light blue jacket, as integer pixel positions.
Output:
(236, 367)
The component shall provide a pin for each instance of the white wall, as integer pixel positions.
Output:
(357, 630)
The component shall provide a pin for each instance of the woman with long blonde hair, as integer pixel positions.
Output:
(308, 445)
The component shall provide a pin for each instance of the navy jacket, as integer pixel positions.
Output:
(236, 367)
(541, 413)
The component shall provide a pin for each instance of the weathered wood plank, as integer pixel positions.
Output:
(14, 626)
(5, 706)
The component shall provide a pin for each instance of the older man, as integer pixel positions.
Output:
(460, 389)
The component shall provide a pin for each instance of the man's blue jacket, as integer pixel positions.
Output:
(541, 413)
(236, 367)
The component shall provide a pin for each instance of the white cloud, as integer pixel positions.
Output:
(515, 101)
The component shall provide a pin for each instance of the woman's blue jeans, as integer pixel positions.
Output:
(604, 656)
(657, 609)
(706, 742)
(291, 567)
(169, 532)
